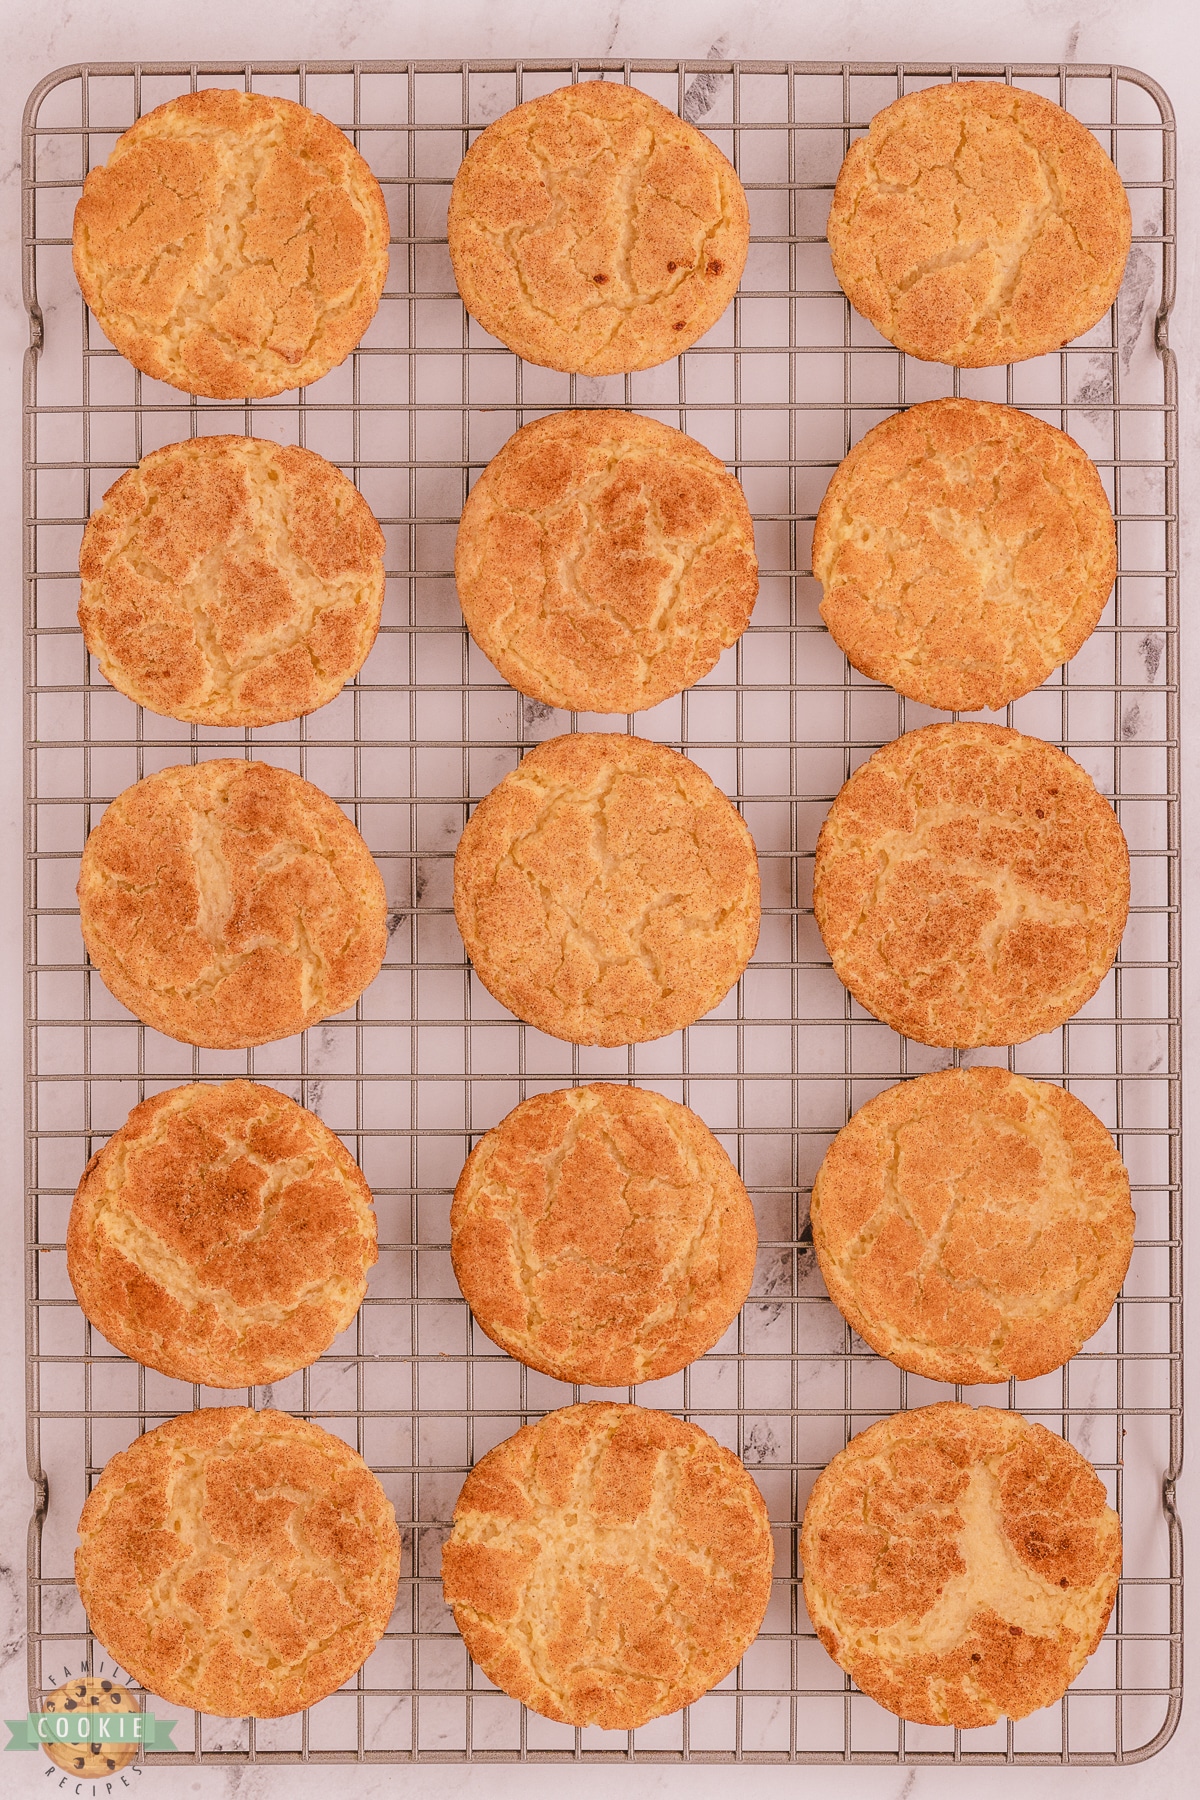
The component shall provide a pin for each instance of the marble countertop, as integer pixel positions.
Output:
(1159, 36)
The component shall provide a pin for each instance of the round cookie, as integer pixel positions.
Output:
(591, 230)
(222, 1235)
(960, 1564)
(608, 1564)
(230, 903)
(100, 1698)
(233, 244)
(602, 1235)
(231, 581)
(604, 561)
(607, 891)
(965, 550)
(971, 885)
(977, 223)
(973, 1225)
(240, 1563)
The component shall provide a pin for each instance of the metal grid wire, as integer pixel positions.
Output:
(780, 389)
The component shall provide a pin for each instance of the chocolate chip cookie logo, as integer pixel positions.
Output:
(91, 1728)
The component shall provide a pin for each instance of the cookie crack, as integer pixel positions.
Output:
(610, 1543)
(531, 1266)
(631, 298)
(225, 256)
(1010, 251)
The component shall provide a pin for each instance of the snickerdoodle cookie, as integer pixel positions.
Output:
(233, 244)
(241, 1563)
(602, 1235)
(593, 230)
(230, 903)
(231, 581)
(965, 550)
(607, 891)
(977, 224)
(604, 561)
(608, 1564)
(222, 1235)
(971, 885)
(973, 1225)
(960, 1563)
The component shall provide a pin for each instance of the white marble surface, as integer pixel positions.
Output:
(1160, 36)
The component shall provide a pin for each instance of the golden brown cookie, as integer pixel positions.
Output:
(604, 561)
(232, 245)
(230, 903)
(241, 1563)
(607, 891)
(231, 581)
(608, 1564)
(977, 224)
(99, 1698)
(965, 550)
(973, 1225)
(222, 1235)
(971, 885)
(960, 1563)
(593, 230)
(602, 1235)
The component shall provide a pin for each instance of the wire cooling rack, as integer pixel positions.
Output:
(780, 389)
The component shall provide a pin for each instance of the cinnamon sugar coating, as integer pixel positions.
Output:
(230, 903)
(607, 891)
(971, 885)
(977, 223)
(222, 1235)
(973, 1225)
(241, 1563)
(602, 1235)
(965, 550)
(604, 561)
(233, 244)
(231, 581)
(960, 1563)
(608, 1564)
(592, 230)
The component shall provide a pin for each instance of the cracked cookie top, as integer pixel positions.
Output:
(965, 550)
(607, 891)
(977, 223)
(241, 1563)
(608, 1564)
(222, 1235)
(602, 1235)
(604, 561)
(973, 1225)
(230, 903)
(231, 581)
(595, 232)
(960, 1563)
(971, 885)
(233, 244)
